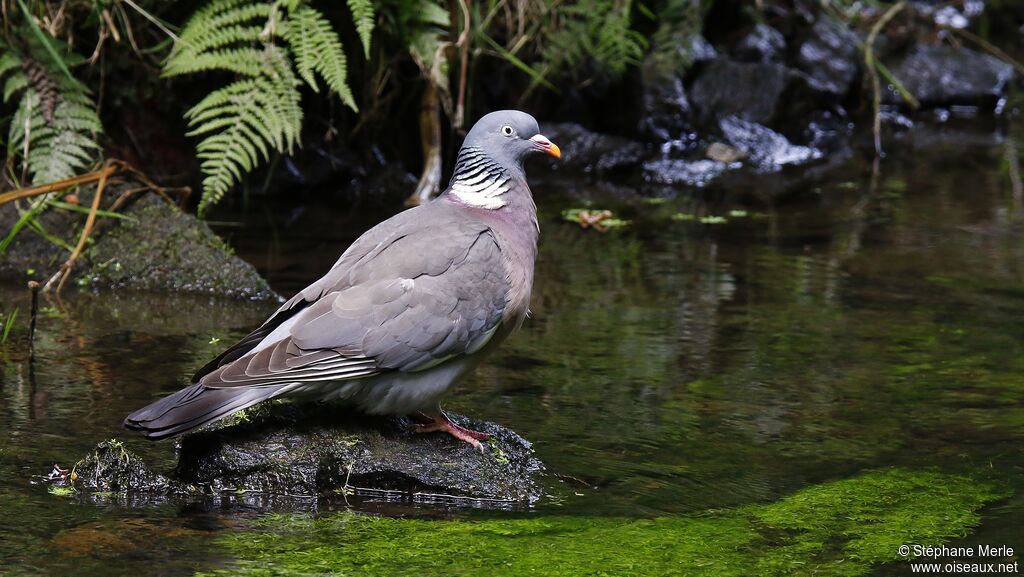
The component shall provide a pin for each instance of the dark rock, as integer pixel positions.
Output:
(699, 49)
(758, 92)
(942, 75)
(685, 49)
(667, 112)
(289, 450)
(766, 149)
(587, 151)
(830, 57)
(111, 468)
(158, 247)
(762, 44)
(695, 173)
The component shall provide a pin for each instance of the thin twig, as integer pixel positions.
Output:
(988, 47)
(49, 187)
(152, 19)
(463, 44)
(34, 312)
(1013, 167)
(65, 269)
(870, 67)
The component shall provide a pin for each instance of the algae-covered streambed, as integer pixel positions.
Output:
(733, 384)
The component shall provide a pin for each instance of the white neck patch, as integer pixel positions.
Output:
(479, 181)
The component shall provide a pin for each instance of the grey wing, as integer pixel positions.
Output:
(364, 249)
(408, 311)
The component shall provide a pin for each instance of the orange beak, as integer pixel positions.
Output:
(541, 142)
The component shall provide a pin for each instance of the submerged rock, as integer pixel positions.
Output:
(766, 149)
(300, 451)
(939, 75)
(696, 173)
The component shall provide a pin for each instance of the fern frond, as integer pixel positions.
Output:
(241, 122)
(268, 45)
(244, 61)
(218, 15)
(362, 13)
(53, 131)
(598, 31)
(59, 148)
(8, 61)
(15, 83)
(318, 48)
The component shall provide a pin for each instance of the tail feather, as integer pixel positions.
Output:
(193, 407)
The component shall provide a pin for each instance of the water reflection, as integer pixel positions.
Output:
(866, 320)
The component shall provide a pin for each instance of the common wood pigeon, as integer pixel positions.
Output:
(413, 305)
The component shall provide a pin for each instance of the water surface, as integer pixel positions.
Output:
(856, 324)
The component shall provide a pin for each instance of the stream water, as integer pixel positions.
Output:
(674, 369)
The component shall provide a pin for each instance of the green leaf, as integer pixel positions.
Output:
(362, 13)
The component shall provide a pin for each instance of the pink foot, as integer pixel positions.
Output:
(443, 423)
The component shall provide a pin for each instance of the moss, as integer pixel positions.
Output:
(852, 524)
(163, 248)
(839, 528)
(61, 491)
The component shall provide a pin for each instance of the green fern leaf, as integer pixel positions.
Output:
(362, 13)
(54, 129)
(244, 61)
(241, 122)
(8, 61)
(318, 48)
(15, 83)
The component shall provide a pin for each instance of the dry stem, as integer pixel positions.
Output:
(870, 66)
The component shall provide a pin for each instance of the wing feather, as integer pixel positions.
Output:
(427, 291)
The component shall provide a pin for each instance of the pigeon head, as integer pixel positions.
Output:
(491, 158)
(509, 136)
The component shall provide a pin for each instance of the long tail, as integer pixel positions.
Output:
(193, 407)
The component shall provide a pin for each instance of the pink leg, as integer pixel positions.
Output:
(443, 423)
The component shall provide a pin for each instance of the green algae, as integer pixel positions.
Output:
(841, 528)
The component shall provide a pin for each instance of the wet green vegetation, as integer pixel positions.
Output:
(840, 528)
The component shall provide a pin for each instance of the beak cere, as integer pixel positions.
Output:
(541, 142)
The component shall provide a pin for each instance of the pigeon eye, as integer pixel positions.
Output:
(507, 130)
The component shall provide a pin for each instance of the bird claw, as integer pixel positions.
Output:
(443, 423)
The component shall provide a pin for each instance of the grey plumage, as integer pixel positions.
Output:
(408, 310)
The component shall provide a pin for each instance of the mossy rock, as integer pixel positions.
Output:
(157, 247)
(288, 450)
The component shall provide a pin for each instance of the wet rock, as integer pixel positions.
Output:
(285, 449)
(163, 248)
(687, 49)
(587, 151)
(111, 468)
(158, 247)
(667, 111)
(697, 173)
(830, 57)
(757, 92)
(762, 44)
(942, 75)
(766, 149)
